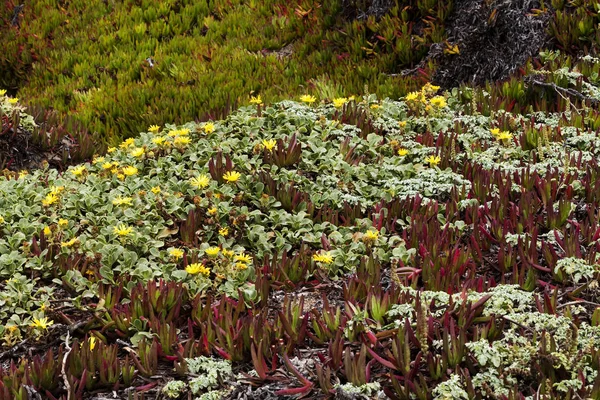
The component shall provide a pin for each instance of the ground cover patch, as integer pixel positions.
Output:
(427, 247)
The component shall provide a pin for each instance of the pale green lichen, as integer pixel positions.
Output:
(173, 389)
(209, 370)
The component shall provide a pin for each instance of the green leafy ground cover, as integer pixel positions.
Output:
(430, 247)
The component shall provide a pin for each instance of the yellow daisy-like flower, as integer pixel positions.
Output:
(122, 230)
(50, 199)
(402, 152)
(41, 323)
(137, 152)
(56, 190)
(121, 177)
(495, 131)
(2, 92)
(155, 190)
(307, 98)
(122, 201)
(63, 222)
(244, 258)
(70, 243)
(504, 135)
(323, 257)
(339, 102)
(92, 342)
(154, 129)
(228, 253)
(412, 96)
(209, 128)
(212, 210)
(212, 252)
(127, 143)
(241, 266)
(47, 231)
(438, 101)
(111, 150)
(14, 100)
(429, 88)
(98, 160)
(433, 160)
(197, 268)
(371, 236)
(256, 100)
(130, 170)
(269, 144)
(402, 124)
(201, 181)
(78, 171)
(181, 141)
(224, 231)
(232, 176)
(176, 253)
(160, 140)
(1, 219)
(375, 106)
(108, 165)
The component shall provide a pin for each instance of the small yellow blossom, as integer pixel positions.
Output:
(429, 88)
(197, 268)
(127, 143)
(224, 231)
(122, 230)
(201, 181)
(176, 253)
(78, 171)
(111, 150)
(212, 210)
(107, 165)
(212, 251)
(412, 96)
(92, 342)
(402, 152)
(339, 102)
(50, 199)
(269, 144)
(402, 124)
(41, 323)
(56, 190)
(2, 92)
(209, 128)
(371, 236)
(323, 257)
(181, 141)
(63, 222)
(228, 253)
(130, 170)
(1, 219)
(122, 201)
(70, 243)
(374, 106)
(159, 141)
(241, 266)
(256, 100)
(23, 172)
(155, 190)
(137, 152)
(495, 131)
(307, 98)
(244, 258)
(98, 160)
(14, 100)
(231, 176)
(433, 160)
(121, 177)
(154, 129)
(47, 231)
(504, 135)
(438, 101)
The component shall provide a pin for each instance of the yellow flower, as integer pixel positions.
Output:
(212, 251)
(120, 177)
(371, 236)
(495, 131)
(1, 219)
(97, 160)
(433, 160)
(41, 323)
(107, 165)
(402, 152)
(23, 172)
(154, 129)
(92, 342)
(351, 98)
(127, 143)
(122, 201)
(228, 253)
(56, 190)
(244, 258)
(14, 100)
(63, 222)
(269, 144)
(256, 100)
(504, 135)
(241, 266)
(78, 171)
(212, 211)
(307, 98)
(176, 253)
(201, 181)
(375, 106)
(70, 243)
(2, 92)
(137, 152)
(438, 101)
(224, 231)
(232, 176)
(402, 124)
(155, 190)
(122, 230)
(130, 170)
(47, 231)
(339, 102)
(111, 150)
(429, 88)
(181, 141)
(50, 199)
(160, 140)
(209, 128)
(323, 257)
(197, 268)
(412, 96)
